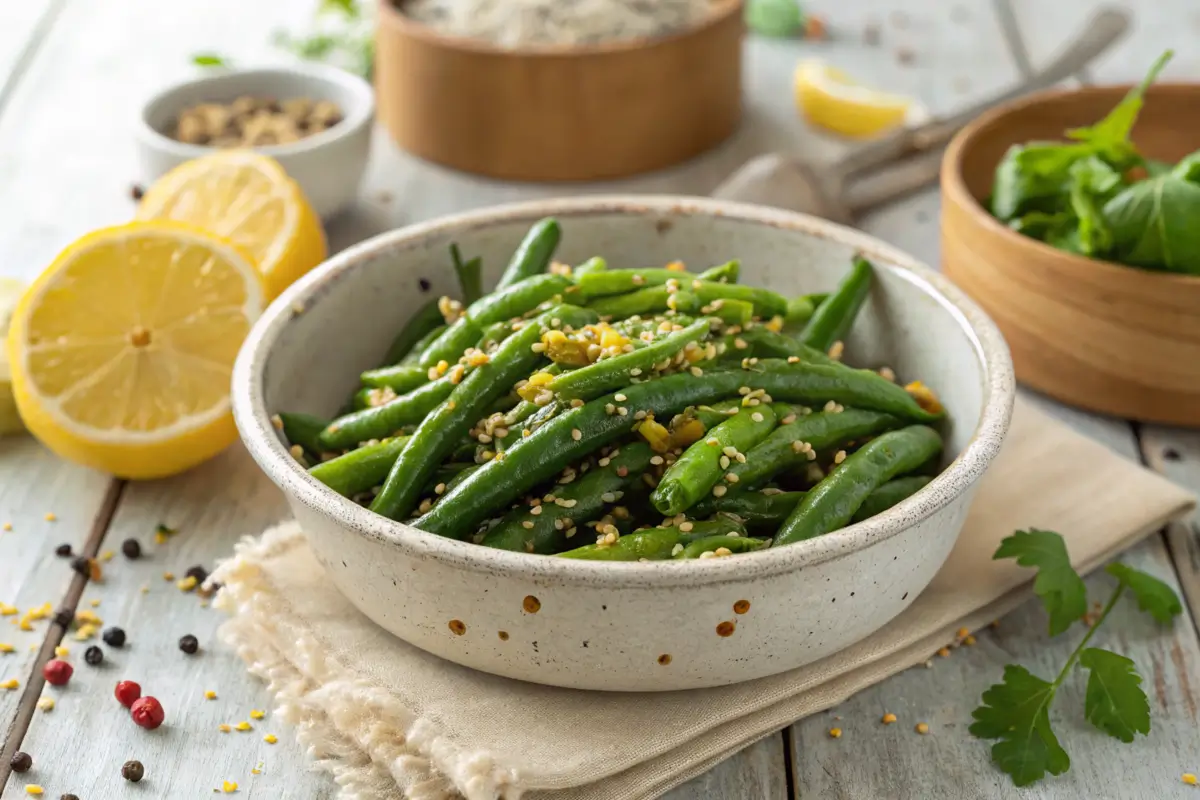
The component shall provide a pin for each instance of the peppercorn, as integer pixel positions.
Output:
(136, 191)
(93, 656)
(114, 637)
(64, 617)
(189, 644)
(79, 563)
(21, 762)
(133, 771)
(131, 548)
(69, 796)
(57, 672)
(63, 550)
(198, 572)
(147, 712)
(127, 692)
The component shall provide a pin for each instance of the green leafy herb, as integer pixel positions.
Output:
(347, 8)
(1110, 136)
(1016, 711)
(1060, 587)
(348, 43)
(1153, 224)
(210, 60)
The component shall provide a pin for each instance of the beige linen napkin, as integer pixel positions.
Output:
(389, 720)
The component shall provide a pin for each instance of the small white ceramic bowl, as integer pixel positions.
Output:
(328, 166)
(627, 626)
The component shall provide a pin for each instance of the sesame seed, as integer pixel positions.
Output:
(604, 462)
(793, 359)
(656, 460)
(836, 349)
(538, 347)
(788, 420)
(610, 409)
(722, 551)
(719, 490)
(686, 527)
(743, 390)
(635, 372)
(620, 398)
(677, 549)
(731, 478)
(576, 403)
(536, 510)
(887, 374)
(724, 462)
(756, 416)
(839, 456)
(740, 458)
(622, 411)
(696, 371)
(708, 554)
(608, 497)
(527, 525)
(576, 434)
(712, 441)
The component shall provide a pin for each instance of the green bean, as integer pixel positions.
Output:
(621, 281)
(593, 264)
(722, 273)
(399, 379)
(516, 299)
(439, 433)
(414, 355)
(634, 327)
(576, 432)
(533, 254)
(452, 343)
(383, 421)
(698, 471)
(833, 502)
(359, 470)
(494, 334)
(889, 495)
(757, 510)
(766, 343)
(470, 275)
(462, 475)
(652, 544)
(710, 544)
(580, 501)
(419, 325)
(655, 298)
(800, 309)
(832, 320)
(791, 443)
(612, 373)
(304, 430)
(732, 312)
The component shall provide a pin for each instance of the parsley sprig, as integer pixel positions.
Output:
(1016, 711)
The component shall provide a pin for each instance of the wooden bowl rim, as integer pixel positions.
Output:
(956, 187)
(390, 15)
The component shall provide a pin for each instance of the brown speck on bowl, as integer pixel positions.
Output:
(664, 659)
(503, 635)
(458, 627)
(726, 628)
(531, 604)
(741, 606)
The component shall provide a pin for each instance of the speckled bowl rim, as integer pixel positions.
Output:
(1029, 249)
(262, 440)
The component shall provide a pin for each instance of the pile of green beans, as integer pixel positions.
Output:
(625, 414)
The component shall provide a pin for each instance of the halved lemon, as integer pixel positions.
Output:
(831, 99)
(248, 199)
(121, 351)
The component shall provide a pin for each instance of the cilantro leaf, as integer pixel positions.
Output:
(1057, 584)
(1017, 712)
(1115, 701)
(210, 60)
(1153, 596)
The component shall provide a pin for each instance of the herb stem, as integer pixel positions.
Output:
(1112, 601)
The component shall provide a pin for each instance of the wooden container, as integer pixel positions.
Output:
(560, 113)
(1094, 334)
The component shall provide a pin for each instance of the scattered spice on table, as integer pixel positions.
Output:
(45, 704)
(63, 550)
(51, 516)
(62, 652)
(5, 647)
(69, 796)
(10, 684)
(131, 549)
(229, 787)
(87, 567)
(835, 733)
(147, 712)
(34, 789)
(162, 533)
(189, 644)
(256, 714)
(8, 526)
(255, 121)
(127, 693)
(244, 726)
(224, 727)
(210, 695)
(270, 738)
(198, 572)
(114, 637)
(6, 610)
(137, 191)
(64, 617)
(57, 672)
(133, 771)
(186, 584)
(94, 656)
(888, 718)
(922, 728)
(21, 761)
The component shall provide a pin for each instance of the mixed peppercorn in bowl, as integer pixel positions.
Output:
(573, 440)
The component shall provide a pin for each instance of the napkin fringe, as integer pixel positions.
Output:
(367, 740)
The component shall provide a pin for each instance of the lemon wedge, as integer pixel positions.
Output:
(121, 351)
(11, 290)
(248, 199)
(832, 100)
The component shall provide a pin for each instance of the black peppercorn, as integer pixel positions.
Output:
(80, 564)
(133, 771)
(198, 572)
(136, 191)
(63, 550)
(64, 617)
(21, 762)
(114, 637)
(131, 548)
(189, 644)
(93, 655)
(425, 285)
(69, 796)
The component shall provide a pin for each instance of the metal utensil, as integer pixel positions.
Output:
(883, 170)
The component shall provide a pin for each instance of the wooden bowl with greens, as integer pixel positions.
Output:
(1073, 218)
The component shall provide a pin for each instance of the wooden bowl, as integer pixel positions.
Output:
(1093, 334)
(559, 113)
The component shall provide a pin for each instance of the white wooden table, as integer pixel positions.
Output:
(75, 74)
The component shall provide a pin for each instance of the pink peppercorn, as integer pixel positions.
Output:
(147, 712)
(57, 672)
(127, 692)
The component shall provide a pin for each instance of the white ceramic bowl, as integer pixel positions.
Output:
(328, 166)
(596, 625)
